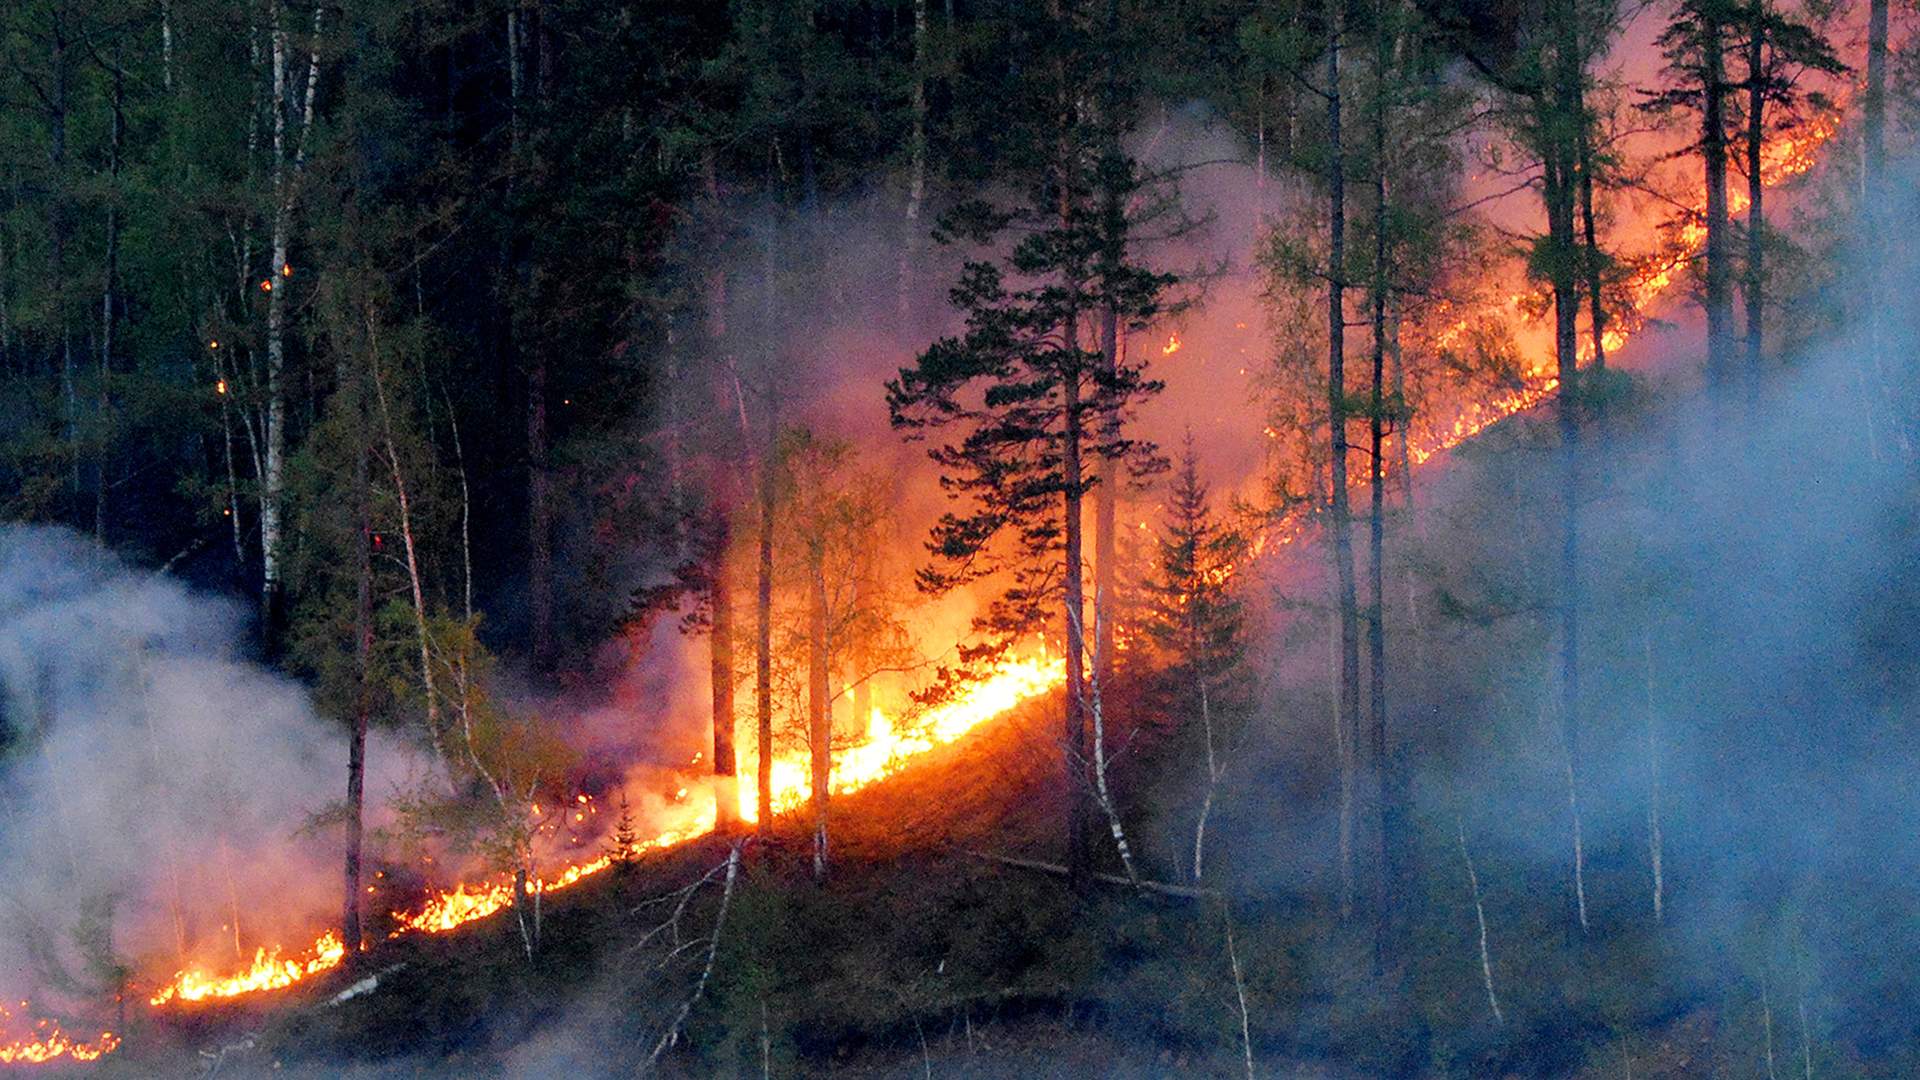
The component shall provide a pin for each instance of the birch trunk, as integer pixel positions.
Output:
(273, 469)
(1480, 916)
(416, 588)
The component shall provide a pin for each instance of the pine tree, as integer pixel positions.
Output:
(1027, 387)
(1195, 619)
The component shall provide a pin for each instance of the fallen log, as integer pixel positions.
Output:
(1183, 892)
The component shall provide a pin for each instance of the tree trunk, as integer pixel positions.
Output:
(1873, 113)
(1562, 158)
(720, 586)
(102, 395)
(763, 639)
(414, 583)
(273, 475)
(1713, 151)
(1754, 292)
(819, 695)
(1383, 879)
(910, 251)
(539, 515)
(1346, 598)
(350, 931)
(1596, 300)
(1076, 751)
(1480, 917)
(726, 788)
(1656, 853)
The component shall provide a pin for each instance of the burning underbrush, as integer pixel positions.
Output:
(588, 838)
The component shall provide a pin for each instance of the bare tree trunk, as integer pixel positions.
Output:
(166, 46)
(763, 639)
(1873, 112)
(1344, 757)
(273, 474)
(726, 787)
(1766, 1022)
(1214, 770)
(910, 251)
(1346, 599)
(539, 515)
(1713, 151)
(1591, 263)
(1103, 793)
(1655, 849)
(350, 930)
(58, 228)
(1480, 916)
(1239, 991)
(1384, 880)
(466, 515)
(1754, 292)
(102, 392)
(414, 582)
(819, 697)
(1075, 745)
(287, 167)
(1561, 164)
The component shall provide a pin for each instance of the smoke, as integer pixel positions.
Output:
(149, 771)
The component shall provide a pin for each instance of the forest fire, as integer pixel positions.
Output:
(269, 971)
(884, 750)
(1783, 159)
(48, 1043)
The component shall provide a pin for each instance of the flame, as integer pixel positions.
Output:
(268, 972)
(1781, 160)
(220, 386)
(887, 747)
(48, 1043)
(880, 754)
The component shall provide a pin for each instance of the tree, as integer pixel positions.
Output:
(1035, 407)
(1694, 43)
(1779, 49)
(1194, 617)
(837, 517)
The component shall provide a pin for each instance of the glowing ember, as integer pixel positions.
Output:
(268, 972)
(49, 1043)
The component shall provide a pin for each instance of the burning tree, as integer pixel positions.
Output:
(1039, 406)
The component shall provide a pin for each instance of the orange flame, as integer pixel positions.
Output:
(268, 972)
(1172, 346)
(49, 1043)
(886, 749)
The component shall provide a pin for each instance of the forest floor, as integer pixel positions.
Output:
(917, 958)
